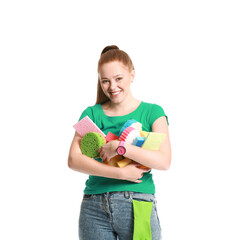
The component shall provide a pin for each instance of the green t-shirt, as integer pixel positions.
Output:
(146, 114)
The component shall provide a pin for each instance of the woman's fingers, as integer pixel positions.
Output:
(146, 170)
(106, 152)
(138, 181)
(140, 171)
(136, 164)
(140, 166)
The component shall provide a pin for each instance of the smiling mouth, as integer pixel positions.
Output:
(114, 94)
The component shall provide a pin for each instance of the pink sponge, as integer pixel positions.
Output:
(129, 134)
(86, 125)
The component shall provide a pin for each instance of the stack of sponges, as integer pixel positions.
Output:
(131, 132)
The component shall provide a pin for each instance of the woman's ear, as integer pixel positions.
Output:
(132, 75)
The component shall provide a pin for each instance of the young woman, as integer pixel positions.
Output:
(107, 206)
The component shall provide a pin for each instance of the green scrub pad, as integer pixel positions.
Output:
(90, 144)
(142, 217)
(153, 141)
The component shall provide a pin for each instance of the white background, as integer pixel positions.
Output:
(187, 57)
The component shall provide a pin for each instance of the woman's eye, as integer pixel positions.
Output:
(118, 79)
(105, 81)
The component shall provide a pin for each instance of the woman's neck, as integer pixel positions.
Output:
(123, 108)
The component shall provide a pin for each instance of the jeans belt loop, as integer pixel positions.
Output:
(126, 194)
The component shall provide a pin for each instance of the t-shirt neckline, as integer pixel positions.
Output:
(139, 106)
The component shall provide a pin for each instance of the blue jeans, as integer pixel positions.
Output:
(109, 216)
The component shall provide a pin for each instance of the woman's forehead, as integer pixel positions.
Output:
(112, 69)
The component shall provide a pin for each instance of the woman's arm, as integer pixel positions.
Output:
(160, 159)
(81, 163)
(156, 159)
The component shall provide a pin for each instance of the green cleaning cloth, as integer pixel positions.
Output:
(142, 211)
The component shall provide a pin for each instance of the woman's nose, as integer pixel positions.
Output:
(113, 85)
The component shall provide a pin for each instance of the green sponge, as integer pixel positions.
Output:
(90, 144)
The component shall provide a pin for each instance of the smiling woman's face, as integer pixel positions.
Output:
(115, 80)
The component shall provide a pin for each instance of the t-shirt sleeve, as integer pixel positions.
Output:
(86, 112)
(157, 112)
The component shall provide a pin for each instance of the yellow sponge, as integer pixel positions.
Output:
(124, 162)
(153, 140)
(144, 133)
(114, 161)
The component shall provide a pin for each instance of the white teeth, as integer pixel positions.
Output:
(115, 93)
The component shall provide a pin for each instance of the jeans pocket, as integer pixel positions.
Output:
(147, 197)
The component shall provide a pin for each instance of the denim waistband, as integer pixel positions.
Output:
(126, 194)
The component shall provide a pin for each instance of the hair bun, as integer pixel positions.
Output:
(111, 47)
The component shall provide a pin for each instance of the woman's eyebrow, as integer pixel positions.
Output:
(105, 78)
(119, 75)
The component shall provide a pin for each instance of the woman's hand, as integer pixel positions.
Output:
(108, 150)
(133, 172)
